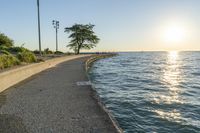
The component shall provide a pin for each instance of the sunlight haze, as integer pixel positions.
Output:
(128, 25)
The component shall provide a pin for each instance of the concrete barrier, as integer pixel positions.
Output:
(14, 76)
(94, 58)
(88, 64)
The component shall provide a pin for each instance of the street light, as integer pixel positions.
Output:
(39, 34)
(56, 26)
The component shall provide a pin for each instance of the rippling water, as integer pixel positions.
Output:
(156, 92)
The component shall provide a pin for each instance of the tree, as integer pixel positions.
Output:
(5, 41)
(82, 37)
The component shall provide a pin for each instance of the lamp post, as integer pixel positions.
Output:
(56, 26)
(39, 34)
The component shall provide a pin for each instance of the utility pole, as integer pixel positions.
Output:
(56, 26)
(39, 34)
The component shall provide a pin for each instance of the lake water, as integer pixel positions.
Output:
(154, 92)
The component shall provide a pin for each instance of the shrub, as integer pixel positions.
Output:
(5, 41)
(37, 52)
(8, 61)
(13, 50)
(17, 49)
(3, 47)
(48, 51)
(58, 52)
(4, 52)
(26, 56)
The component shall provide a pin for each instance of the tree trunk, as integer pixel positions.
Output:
(78, 49)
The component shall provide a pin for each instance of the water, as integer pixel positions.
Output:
(154, 92)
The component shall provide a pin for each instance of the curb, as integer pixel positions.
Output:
(14, 76)
(88, 65)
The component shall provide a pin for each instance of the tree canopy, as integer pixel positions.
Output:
(82, 37)
(5, 41)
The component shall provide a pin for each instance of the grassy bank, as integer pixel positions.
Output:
(11, 55)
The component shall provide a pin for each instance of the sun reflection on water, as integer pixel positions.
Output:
(167, 99)
(173, 115)
(172, 56)
(172, 95)
(172, 73)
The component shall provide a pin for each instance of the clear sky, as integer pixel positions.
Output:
(122, 25)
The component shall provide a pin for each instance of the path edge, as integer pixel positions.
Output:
(88, 64)
(14, 76)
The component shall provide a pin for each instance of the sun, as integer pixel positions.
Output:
(174, 34)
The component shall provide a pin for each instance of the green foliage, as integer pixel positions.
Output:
(82, 37)
(48, 51)
(4, 52)
(37, 52)
(58, 52)
(3, 47)
(8, 61)
(26, 56)
(17, 49)
(5, 41)
(8, 52)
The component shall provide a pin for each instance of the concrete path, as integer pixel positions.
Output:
(51, 102)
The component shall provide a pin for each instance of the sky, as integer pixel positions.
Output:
(122, 25)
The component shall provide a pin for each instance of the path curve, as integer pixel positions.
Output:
(51, 102)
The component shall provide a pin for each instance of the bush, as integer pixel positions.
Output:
(37, 52)
(58, 52)
(15, 50)
(4, 52)
(8, 61)
(26, 56)
(5, 41)
(48, 51)
(3, 47)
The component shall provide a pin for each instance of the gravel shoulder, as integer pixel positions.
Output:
(52, 102)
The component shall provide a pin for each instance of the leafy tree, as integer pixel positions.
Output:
(82, 37)
(5, 41)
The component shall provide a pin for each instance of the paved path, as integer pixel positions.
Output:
(51, 102)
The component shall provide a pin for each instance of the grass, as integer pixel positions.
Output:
(27, 56)
(12, 56)
(8, 61)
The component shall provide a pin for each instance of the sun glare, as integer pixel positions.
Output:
(173, 55)
(174, 34)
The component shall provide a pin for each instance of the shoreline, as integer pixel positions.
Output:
(95, 58)
(88, 65)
